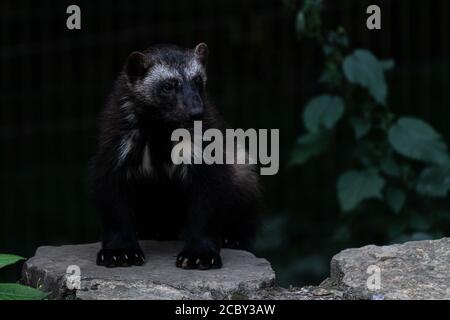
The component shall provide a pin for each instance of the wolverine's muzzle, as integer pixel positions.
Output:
(193, 103)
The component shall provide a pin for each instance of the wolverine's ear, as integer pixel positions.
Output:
(201, 51)
(136, 66)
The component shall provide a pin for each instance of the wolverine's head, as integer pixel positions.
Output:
(168, 82)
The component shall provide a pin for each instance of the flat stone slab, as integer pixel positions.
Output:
(242, 274)
(411, 271)
(414, 271)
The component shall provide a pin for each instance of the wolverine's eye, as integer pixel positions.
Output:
(170, 85)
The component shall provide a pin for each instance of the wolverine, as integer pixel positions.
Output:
(137, 189)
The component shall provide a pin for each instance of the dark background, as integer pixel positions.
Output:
(54, 81)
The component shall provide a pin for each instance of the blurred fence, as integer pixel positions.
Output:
(53, 83)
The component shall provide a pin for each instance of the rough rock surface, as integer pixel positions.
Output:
(241, 274)
(414, 270)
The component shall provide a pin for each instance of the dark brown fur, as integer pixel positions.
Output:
(206, 205)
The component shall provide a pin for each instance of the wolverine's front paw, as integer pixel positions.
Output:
(120, 258)
(199, 257)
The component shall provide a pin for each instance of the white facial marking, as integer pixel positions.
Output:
(157, 73)
(160, 72)
(193, 69)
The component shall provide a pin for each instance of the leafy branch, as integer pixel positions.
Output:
(393, 158)
(14, 291)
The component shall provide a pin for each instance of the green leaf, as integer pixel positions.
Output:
(434, 182)
(387, 64)
(308, 21)
(356, 186)
(390, 167)
(331, 76)
(309, 146)
(8, 259)
(360, 126)
(13, 291)
(338, 38)
(364, 69)
(395, 199)
(323, 112)
(300, 22)
(415, 139)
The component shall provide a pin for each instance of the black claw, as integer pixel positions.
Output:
(138, 258)
(192, 259)
(122, 261)
(100, 258)
(179, 261)
(120, 258)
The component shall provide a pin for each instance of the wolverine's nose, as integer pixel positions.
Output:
(196, 107)
(192, 102)
(196, 113)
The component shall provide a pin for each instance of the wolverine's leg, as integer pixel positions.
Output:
(120, 246)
